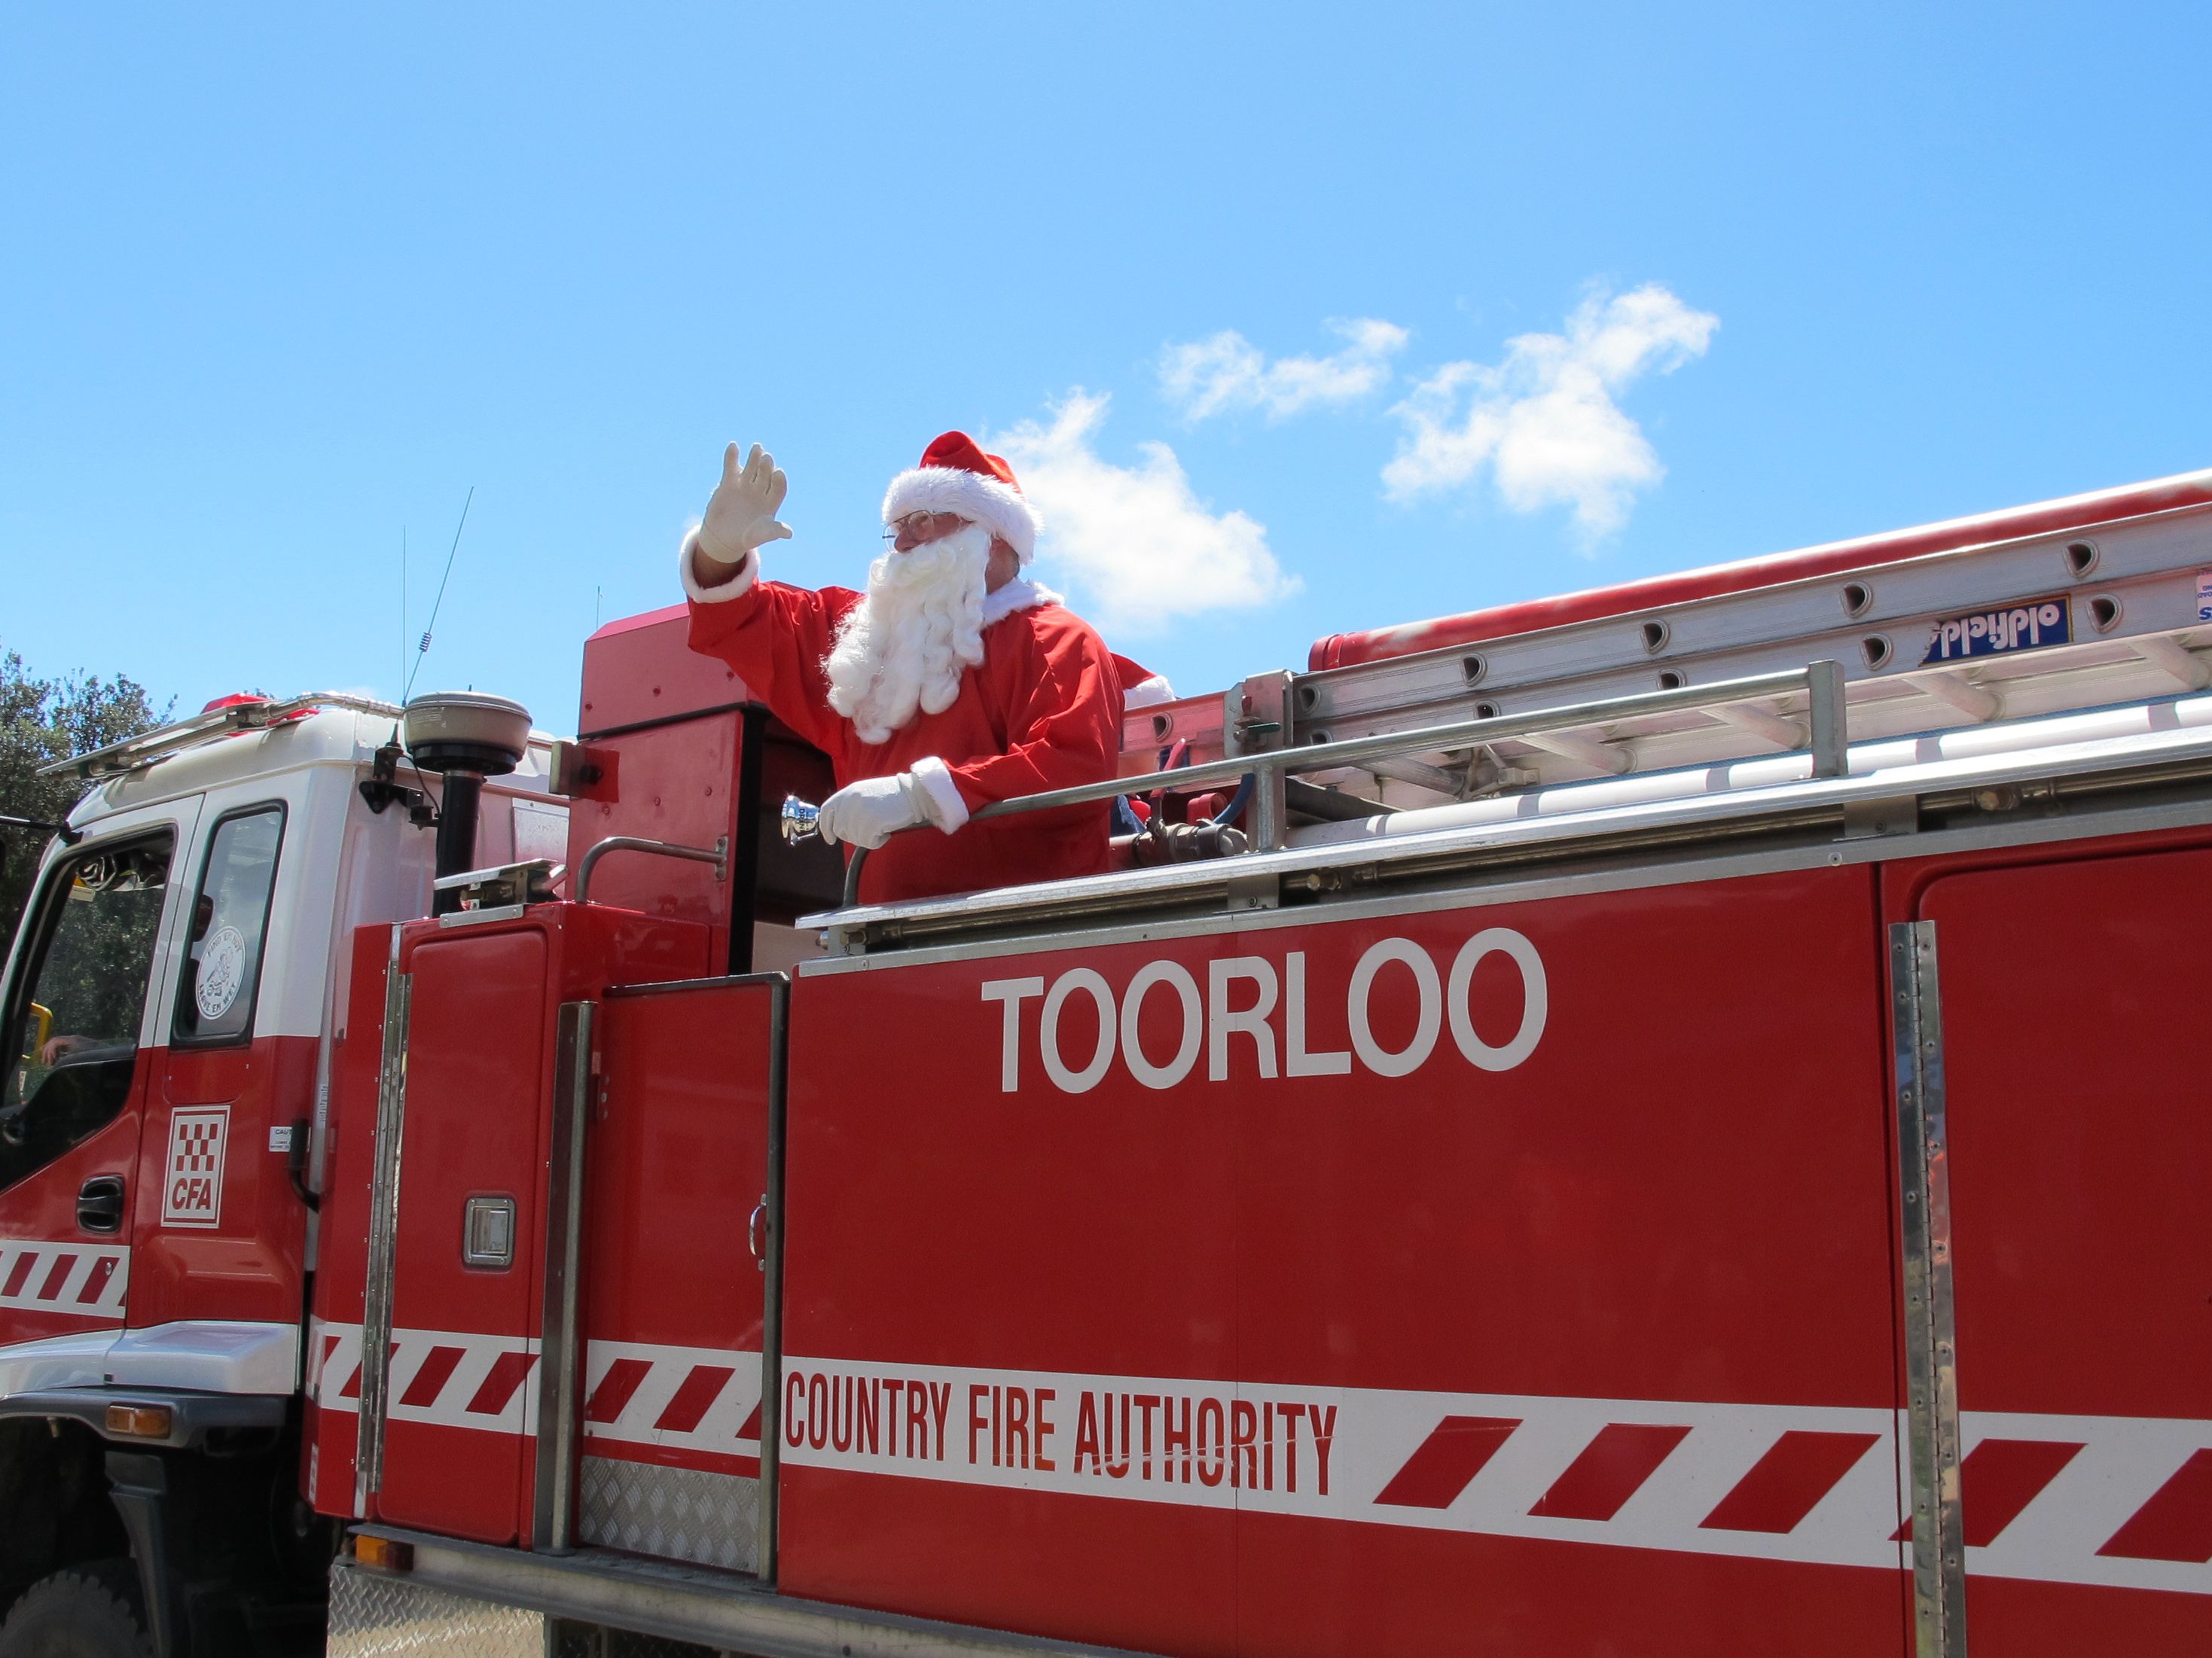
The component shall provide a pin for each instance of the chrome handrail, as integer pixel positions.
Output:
(1821, 685)
(718, 856)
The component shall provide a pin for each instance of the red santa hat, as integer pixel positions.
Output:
(956, 476)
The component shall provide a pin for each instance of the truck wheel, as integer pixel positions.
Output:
(89, 1611)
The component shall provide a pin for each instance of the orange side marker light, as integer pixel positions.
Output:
(382, 1554)
(140, 1421)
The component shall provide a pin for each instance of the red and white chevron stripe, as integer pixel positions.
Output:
(2121, 1501)
(451, 1378)
(691, 1398)
(683, 1399)
(86, 1280)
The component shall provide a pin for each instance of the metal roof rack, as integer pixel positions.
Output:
(2081, 617)
(1813, 693)
(136, 753)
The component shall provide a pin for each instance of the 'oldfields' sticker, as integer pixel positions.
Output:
(2027, 626)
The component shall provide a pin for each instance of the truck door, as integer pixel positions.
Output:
(2074, 997)
(81, 1030)
(675, 1254)
(222, 1232)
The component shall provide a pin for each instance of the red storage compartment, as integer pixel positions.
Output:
(674, 1235)
(2074, 1010)
(483, 1002)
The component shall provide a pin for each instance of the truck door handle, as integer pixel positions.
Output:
(756, 1233)
(99, 1203)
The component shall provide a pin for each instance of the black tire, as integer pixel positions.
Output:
(88, 1611)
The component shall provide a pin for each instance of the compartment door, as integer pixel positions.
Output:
(2075, 1024)
(459, 1399)
(675, 1248)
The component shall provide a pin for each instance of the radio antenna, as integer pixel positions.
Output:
(403, 613)
(424, 649)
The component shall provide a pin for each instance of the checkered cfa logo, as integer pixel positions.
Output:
(192, 1195)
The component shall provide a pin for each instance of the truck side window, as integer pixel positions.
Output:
(230, 916)
(72, 1031)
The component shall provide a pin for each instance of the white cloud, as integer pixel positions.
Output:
(1544, 420)
(1228, 371)
(1141, 546)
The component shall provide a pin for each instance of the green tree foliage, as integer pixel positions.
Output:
(47, 719)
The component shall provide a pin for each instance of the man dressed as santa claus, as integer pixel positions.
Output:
(952, 683)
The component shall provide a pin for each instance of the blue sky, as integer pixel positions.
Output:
(280, 283)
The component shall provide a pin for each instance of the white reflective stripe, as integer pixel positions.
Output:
(2121, 1466)
(91, 1285)
(1835, 1506)
(451, 1378)
(333, 1357)
(651, 1413)
(1364, 1455)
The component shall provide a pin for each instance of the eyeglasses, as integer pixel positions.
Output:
(914, 524)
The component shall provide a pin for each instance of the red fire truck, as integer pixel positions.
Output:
(1676, 1127)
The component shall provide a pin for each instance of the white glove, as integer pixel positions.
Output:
(869, 812)
(741, 513)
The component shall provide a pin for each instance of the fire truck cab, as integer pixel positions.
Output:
(1677, 1129)
(168, 1003)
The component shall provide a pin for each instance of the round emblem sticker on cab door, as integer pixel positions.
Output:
(222, 969)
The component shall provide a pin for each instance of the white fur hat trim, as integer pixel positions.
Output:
(1003, 510)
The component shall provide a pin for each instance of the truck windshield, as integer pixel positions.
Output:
(73, 1035)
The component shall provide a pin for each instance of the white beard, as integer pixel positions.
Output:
(906, 644)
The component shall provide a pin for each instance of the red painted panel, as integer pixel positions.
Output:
(478, 1082)
(640, 668)
(1312, 1590)
(2073, 1015)
(251, 1264)
(2010, 1616)
(676, 783)
(42, 1208)
(349, 1158)
(679, 1160)
(2074, 992)
(1680, 1191)
(480, 1059)
(935, 1219)
(1152, 1580)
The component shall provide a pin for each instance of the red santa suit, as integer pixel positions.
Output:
(1042, 710)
